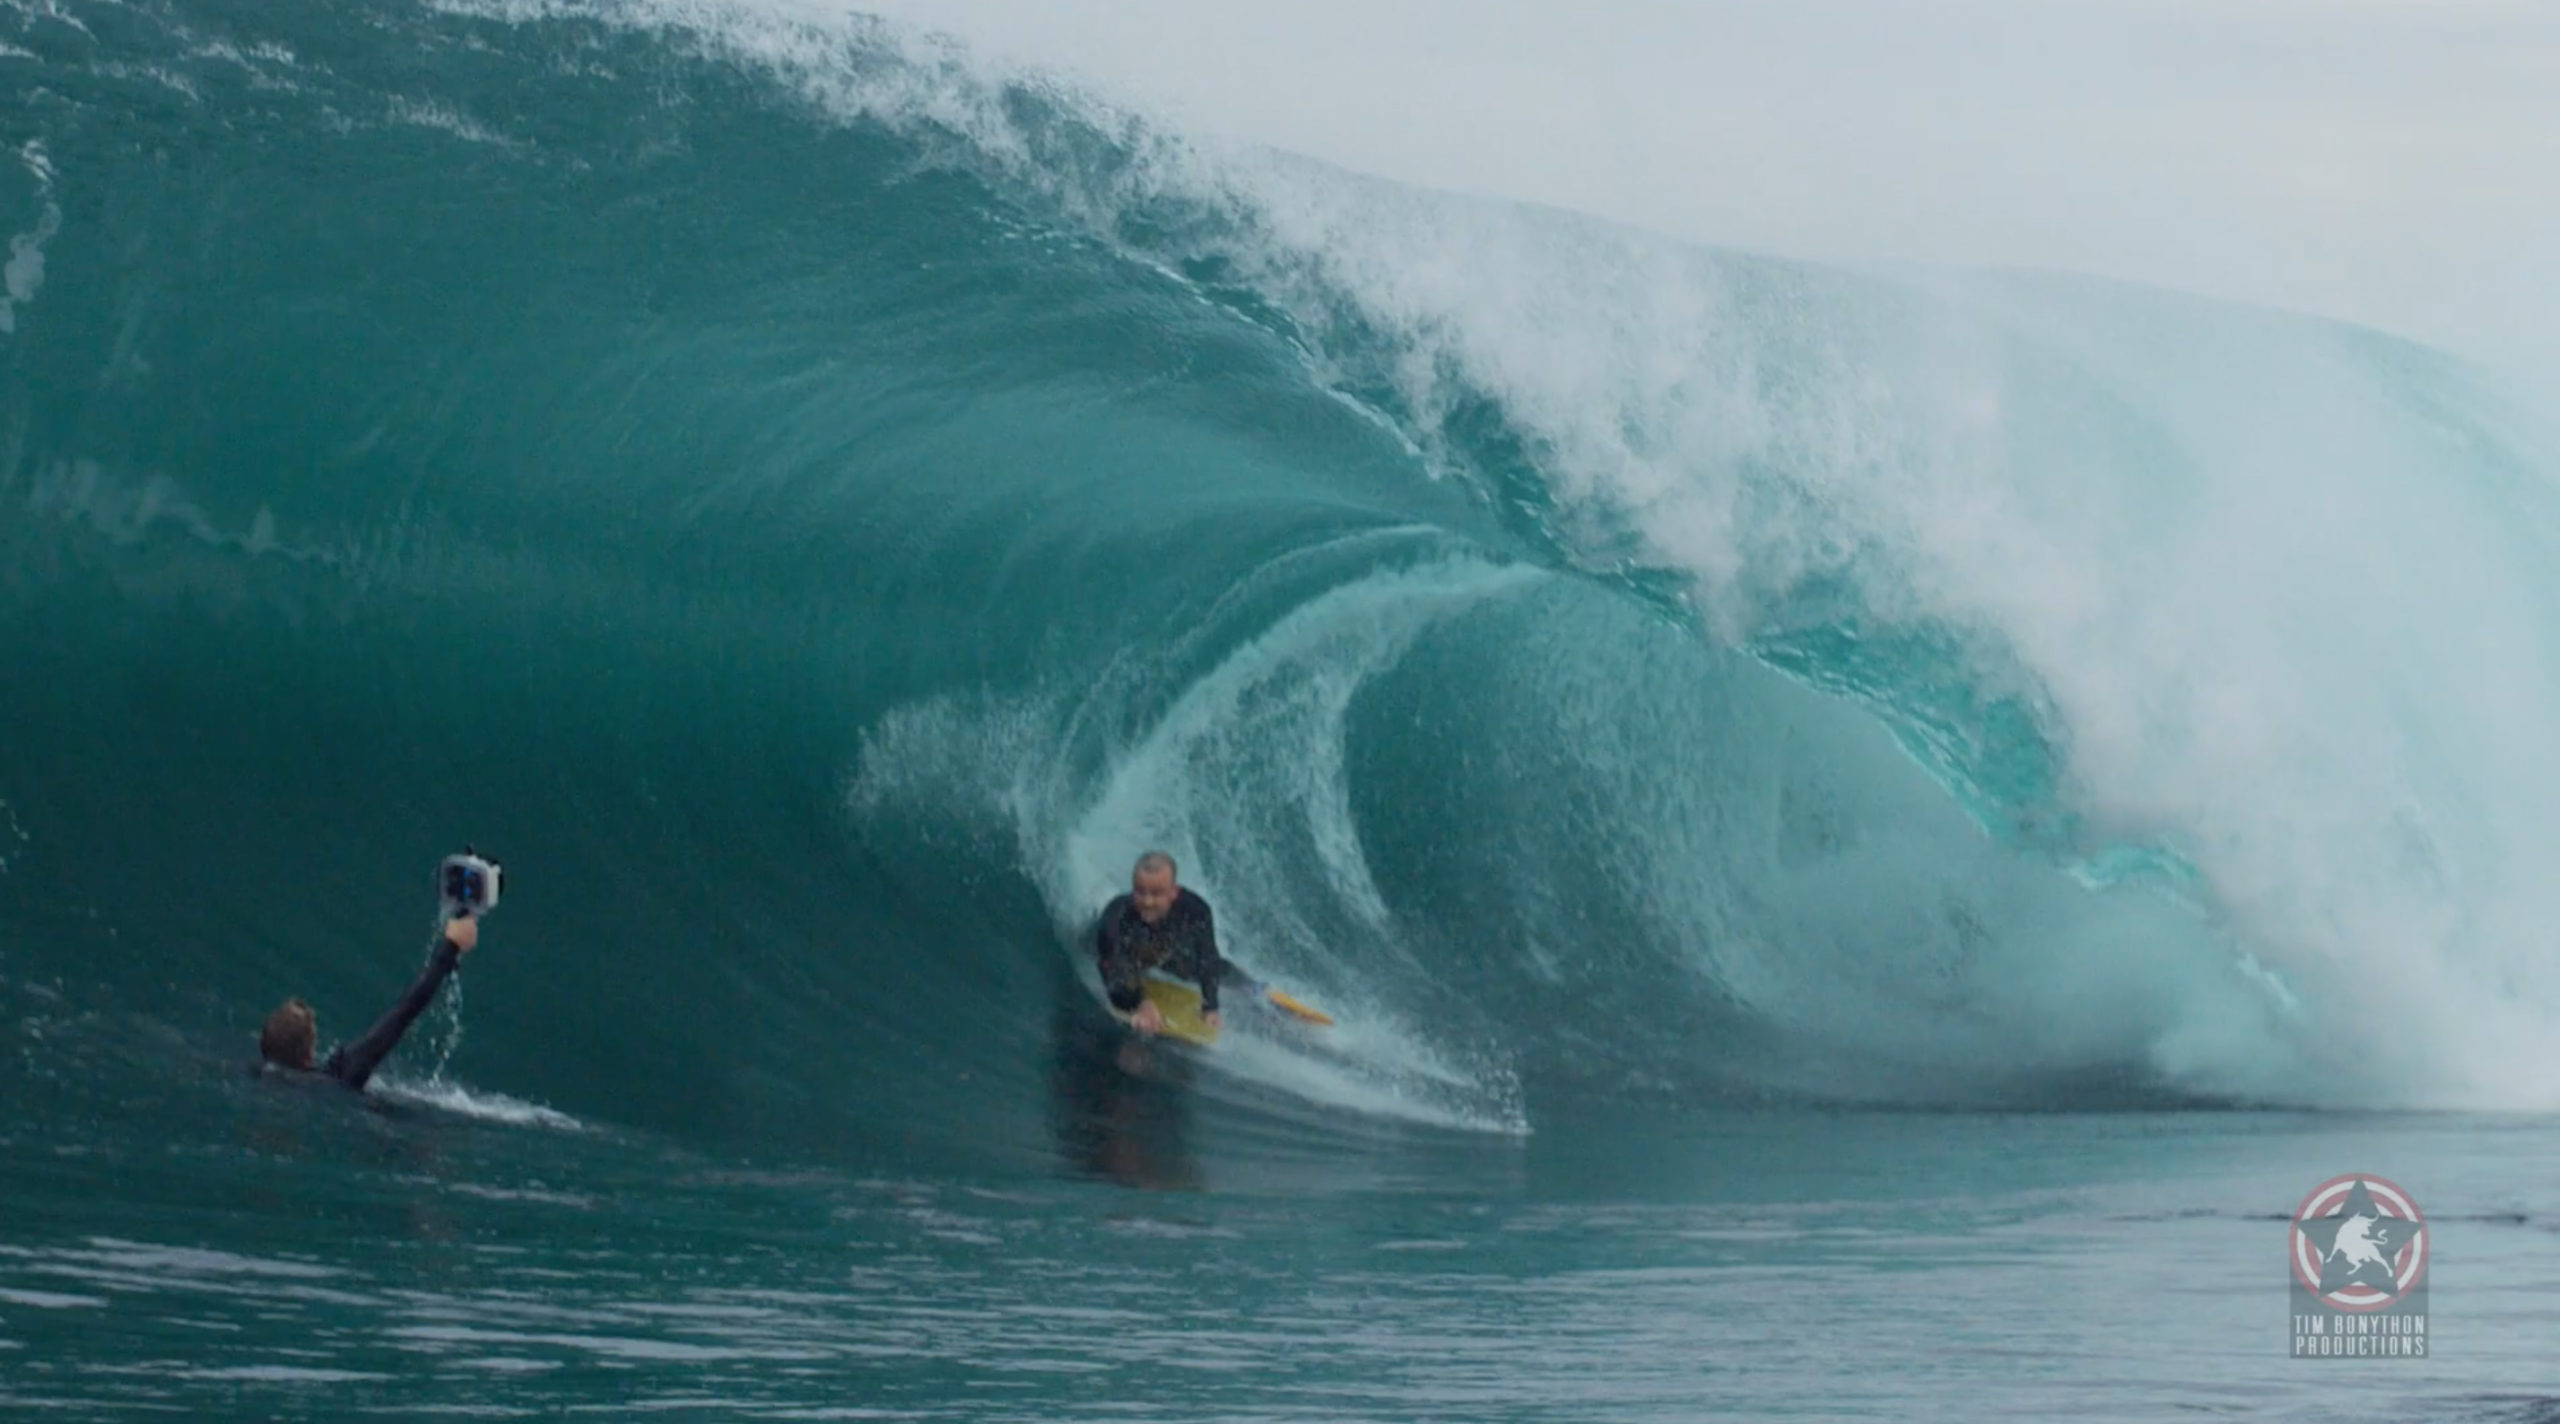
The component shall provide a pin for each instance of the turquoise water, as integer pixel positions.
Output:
(1870, 835)
(318, 1262)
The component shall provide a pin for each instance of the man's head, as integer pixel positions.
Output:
(1151, 887)
(291, 1036)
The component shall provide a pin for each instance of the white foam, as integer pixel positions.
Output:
(446, 1096)
(159, 1262)
(13, 837)
(579, 1200)
(443, 117)
(50, 1300)
(22, 275)
(281, 1374)
(2296, 633)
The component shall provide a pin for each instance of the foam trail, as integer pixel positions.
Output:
(450, 1097)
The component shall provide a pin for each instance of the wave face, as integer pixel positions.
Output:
(819, 506)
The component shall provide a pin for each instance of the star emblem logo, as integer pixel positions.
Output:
(2359, 1242)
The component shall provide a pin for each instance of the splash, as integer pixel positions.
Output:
(22, 276)
(486, 1106)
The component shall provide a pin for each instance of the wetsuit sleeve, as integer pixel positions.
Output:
(1204, 957)
(353, 1064)
(1120, 969)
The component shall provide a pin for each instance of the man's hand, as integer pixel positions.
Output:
(1211, 1019)
(464, 932)
(1148, 1018)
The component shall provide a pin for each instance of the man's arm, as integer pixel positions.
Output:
(1204, 957)
(1120, 971)
(354, 1064)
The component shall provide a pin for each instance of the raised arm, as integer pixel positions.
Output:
(353, 1064)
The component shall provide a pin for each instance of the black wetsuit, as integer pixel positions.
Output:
(1184, 944)
(354, 1063)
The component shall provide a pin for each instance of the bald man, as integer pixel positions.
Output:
(1157, 926)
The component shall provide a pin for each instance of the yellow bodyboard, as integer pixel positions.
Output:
(1180, 1005)
(1297, 1009)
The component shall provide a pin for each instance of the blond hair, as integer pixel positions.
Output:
(291, 1036)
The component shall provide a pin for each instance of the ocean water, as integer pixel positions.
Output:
(1871, 835)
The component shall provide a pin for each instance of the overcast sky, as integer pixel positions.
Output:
(2394, 162)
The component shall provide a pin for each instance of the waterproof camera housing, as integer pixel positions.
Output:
(468, 884)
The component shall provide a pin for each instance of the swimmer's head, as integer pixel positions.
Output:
(291, 1036)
